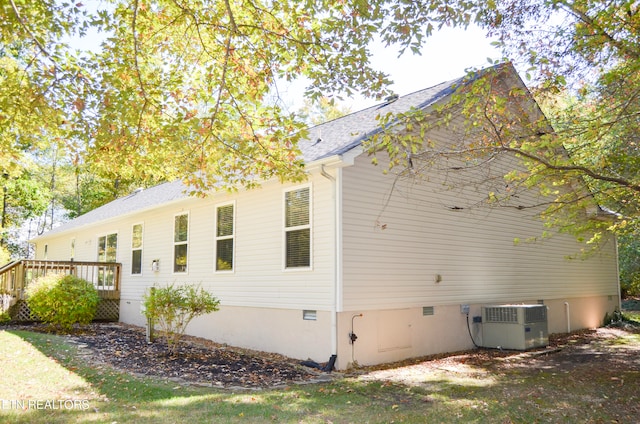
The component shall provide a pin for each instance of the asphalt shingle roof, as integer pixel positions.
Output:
(343, 134)
(329, 139)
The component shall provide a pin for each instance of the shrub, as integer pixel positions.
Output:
(173, 307)
(63, 300)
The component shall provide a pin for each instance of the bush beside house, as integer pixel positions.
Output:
(63, 300)
(174, 306)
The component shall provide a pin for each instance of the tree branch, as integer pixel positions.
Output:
(138, 73)
(31, 34)
(576, 168)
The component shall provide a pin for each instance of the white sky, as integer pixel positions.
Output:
(447, 54)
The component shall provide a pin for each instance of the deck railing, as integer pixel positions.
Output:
(16, 276)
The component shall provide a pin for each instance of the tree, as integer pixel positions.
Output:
(319, 111)
(630, 265)
(23, 198)
(582, 64)
(188, 88)
(185, 88)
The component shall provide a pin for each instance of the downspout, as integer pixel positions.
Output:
(617, 253)
(568, 313)
(337, 253)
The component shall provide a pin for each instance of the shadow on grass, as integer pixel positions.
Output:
(102, 393)
(517, 394)
(114, 396)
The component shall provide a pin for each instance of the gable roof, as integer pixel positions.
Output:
(332, 138)
(343, 134)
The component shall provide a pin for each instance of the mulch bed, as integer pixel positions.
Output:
(203, 362)
(196, 360)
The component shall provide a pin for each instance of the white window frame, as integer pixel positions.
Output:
(174, 243)
(106, 276)
(231, 237)
(141, 249)
(106, 236)
(286, 229)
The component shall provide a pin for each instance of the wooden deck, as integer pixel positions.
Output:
(16, 276)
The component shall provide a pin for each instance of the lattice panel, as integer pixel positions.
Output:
(108, 310)
(20, 312)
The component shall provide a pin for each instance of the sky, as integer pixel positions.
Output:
(446, 55)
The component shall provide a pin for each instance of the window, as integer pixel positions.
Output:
(107, 252)
(107, 248)
(136, 249)
(297, 228)
(180, 242)
(224, 237)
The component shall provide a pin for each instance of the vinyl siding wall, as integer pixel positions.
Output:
(405, 248)
(400, 234)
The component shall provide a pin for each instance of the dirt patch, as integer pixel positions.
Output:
(597, 349)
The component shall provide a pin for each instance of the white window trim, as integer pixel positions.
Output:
(141, 248)
(107, 234)
(216, 238)
(300, 227)
(174, 243)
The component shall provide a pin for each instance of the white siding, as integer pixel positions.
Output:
(258, 279)
(399, 234)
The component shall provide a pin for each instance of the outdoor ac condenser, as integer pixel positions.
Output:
(517, 327)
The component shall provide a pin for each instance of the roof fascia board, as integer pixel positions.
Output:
(107, 220)
(336, 161)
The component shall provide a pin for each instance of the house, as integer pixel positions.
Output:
(353, 262)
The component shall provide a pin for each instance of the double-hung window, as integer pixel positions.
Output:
(297, 228)
(107, 248)
(136, 249)
(225, 235)
(180, 242)
(107, 252)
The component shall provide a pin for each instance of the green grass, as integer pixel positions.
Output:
(632, 316)
(41, 367)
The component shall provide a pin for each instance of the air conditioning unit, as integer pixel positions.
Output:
(517, 327)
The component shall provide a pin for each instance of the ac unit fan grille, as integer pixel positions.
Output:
(532, 315)
(501, 314)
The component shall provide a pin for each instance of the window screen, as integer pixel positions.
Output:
(297, 228)
(224, 238)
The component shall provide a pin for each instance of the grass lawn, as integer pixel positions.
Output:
(43, 379)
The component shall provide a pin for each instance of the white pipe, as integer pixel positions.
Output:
(334, 306)
(567, 311)
(615, 245)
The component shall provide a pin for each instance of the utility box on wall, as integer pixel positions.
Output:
(517, 327)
